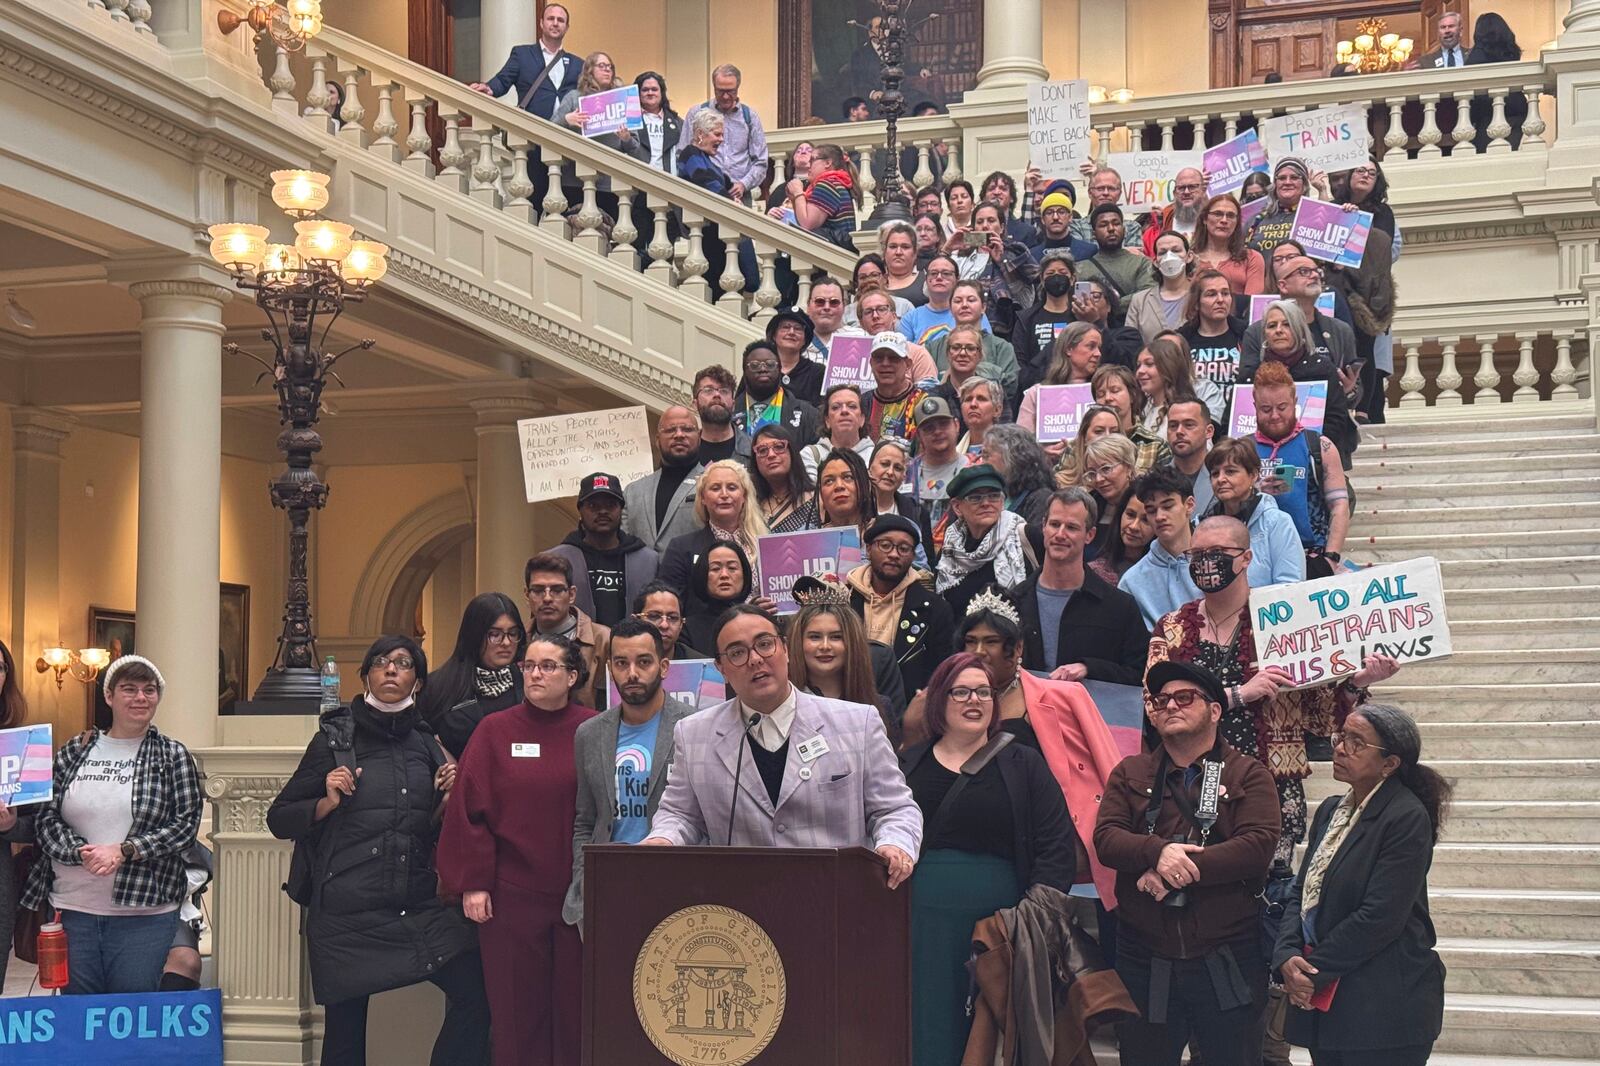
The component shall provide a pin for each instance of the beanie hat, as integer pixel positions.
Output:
(126, 661)
(1294, 163)
(1060, 186)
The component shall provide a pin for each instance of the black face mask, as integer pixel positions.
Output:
(1212, 570)
(1057, 285)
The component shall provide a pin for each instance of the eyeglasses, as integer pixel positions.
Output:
(539, 592)
(660, 618)
(1187, 188)
(399, 662)
(819, 302)
(1304, 272)
(739, 654)
(1183, 697)
(891, 547)
(964, 348)
(713, 390)
(1352, 744)
(544, 666)
(503, 636)
(941, 273)
(963, 694)
(771, 452)
(761, 364)
(1222, 214)
(982, 498)
(873, 312)
(1366, 172)
(1103, 473)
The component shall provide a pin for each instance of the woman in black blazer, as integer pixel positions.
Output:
(1356, 924)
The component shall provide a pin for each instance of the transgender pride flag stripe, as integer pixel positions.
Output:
(25, 764)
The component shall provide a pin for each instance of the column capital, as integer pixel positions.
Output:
(40, 431)
(502, 403)
(181, 288)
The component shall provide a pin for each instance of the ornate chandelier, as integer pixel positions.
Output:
(1373, 51)
(290, 24)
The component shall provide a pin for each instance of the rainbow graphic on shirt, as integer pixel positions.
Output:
(633, 758)
(25, 765)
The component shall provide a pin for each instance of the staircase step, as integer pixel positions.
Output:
(1551, 702)
(1545, 631)
(1467, 429)
(1509, 518)
(1455, 469)
(1535, 569)
(1393, 548)
(1507, 667)
(1547, 866)
(1532, 914)
(1507, 1026)
(1508, 967)
(1531, 487)
(1475, 445)
(1510, 740)
(1522, 779)
(1506, 604)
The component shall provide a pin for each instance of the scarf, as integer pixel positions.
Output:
(1001, 546)
(493, 683)
(1333, 838)
(757, 415)
(1262, 438)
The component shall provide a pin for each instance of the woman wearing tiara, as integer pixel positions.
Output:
(830, 655)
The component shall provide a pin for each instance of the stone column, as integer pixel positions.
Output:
(180, 496)
(1583, 18)
(503, 24)
(507, 527)
(1013, 43)
(35, 606)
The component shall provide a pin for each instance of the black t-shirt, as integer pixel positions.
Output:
(1215, 358)
(980, 819)
(606, 585)
(711, 451)
(1035, 337)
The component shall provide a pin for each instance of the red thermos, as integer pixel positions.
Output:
(52, 956)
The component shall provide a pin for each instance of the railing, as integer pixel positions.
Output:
(482, 151)
(1521, 369)
(934, 141)
(132, 13)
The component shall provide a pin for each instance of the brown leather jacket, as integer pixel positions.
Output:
(1222, 906)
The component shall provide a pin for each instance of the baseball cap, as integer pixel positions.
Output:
(599, 485)
(932, 407)
(891, 340)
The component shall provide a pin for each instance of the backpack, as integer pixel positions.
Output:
(339, 729)
(1314, 475)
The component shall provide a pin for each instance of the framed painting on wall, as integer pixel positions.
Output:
(113, 630)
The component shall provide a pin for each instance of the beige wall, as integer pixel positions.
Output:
(633, 32)
(382, 22)
(1174, 60)
(746, 35)
(1061, 38)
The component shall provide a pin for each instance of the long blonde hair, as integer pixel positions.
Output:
(587, 83)
(751, 524)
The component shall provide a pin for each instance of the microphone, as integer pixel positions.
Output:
(738, 768)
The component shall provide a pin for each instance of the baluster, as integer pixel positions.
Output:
(767, 294)
(519, 186)
(924, 175)
(1533, 125)
(1460, 129)
(351, 114)
(1395, 139)
(660, 247)
(282, 83)
(1412, 381)
(317, 96)
(418, 141)
(952, 166)
(1449, 379)
(1429, 134)
(1526, 376)
(1197, 128)
(384, 125)
(732, 280)
(869, 183)
(692, 271)
(486, 169)
(623, 232)
(452, 157)
(590, 218)
(139, 14)
(1230, 125)
(1488, 377)
(1499, 129)
(802, 271)
(118, 9)
(1565, 374)
(553, 209)
(97, 5)
(779, 173)
(1166, 126)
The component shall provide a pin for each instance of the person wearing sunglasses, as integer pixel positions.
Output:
(1189, 826)
(823, 771)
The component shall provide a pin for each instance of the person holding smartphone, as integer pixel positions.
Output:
(1300, 470)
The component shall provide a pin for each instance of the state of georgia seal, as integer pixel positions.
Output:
(708, 986)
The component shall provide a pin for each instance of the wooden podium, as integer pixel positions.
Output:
(782, 956)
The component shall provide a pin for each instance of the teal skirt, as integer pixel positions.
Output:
(951, 892)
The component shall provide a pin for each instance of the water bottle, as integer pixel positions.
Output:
(331, 703)
(52, 956)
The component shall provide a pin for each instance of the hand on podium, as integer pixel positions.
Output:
(656, 842)
(900, 864)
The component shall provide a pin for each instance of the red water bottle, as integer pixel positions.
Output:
(52, 956)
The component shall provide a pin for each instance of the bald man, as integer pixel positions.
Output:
(659, 507)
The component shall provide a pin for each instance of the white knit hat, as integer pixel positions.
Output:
(126, 661)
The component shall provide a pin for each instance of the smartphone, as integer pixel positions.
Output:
(1084, 290)
(974, 238)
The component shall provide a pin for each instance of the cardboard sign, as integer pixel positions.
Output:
(1058, 126)
(849, 362)
(612, 110)
(1059, 410)
(143, 1029)
(1260, 303)
(1330, 233)
(1322, 630)
(1328, 138)
(1310, 405)
(562, 450)
(784, 558)
(1148, 177)
(1232, 161)
(696, 682)
(25, 765)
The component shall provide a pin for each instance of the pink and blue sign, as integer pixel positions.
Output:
(611, 111)
(1231, 162)
(25, 754)
(1060, 409)
(696, 682)
(1310, 404)
(1330, 233)
(784, 558)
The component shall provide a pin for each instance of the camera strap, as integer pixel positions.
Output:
(1203, 816)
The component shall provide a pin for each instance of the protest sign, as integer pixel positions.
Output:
(561, 450)
(1327, 138)
(1330, 233)
(696, 682)
(849, 362)
(1058, 126)
(612, 110)
(784, 558)
(1232, 161)
(1148, 177)
(1322, 630)
(1060, 408)
(1259, 304)
(1310, 406)
(143, 1029)
(1250, 211)
(25, 767)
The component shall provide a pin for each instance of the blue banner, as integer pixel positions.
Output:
(153, 1029)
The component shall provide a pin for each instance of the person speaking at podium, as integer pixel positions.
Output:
(776, 767)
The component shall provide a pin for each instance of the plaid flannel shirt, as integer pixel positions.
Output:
(166, 818)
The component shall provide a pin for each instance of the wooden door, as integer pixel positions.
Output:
(1298, 50)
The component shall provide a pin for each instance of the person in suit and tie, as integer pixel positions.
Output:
(1451, 52)
(623, 753)
(660, 507)
(814, 772)
(542, 74)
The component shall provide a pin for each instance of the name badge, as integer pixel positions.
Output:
(524, 751)
(813, 749)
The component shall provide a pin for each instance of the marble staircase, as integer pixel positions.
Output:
(1511, 508)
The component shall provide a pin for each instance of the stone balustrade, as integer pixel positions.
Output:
(134, 14)
(1522, 368)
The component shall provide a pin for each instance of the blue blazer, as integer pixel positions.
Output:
(525, 64)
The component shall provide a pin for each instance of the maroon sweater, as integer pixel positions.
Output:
(509, 818)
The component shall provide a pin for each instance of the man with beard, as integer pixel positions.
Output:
(659, 604)
(763, 401)
(661, 506)
(1182, 215)
(898, 610)
(1189, 433)
(609, 566)
(1105, 187)
(890, 407)
(713, 400)
(553, 611)
(1055, 203)
(622, 754)
(1127, 272)
(1300, 470)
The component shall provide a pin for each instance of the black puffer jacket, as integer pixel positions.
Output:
(375, 920)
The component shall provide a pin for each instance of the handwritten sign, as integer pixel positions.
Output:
(1059, 410)
(696, 682)
(142, 1029)
(561, 450)
(1328, 138)
(1310, 406)
(849, 362)
(1058, 125)
(1322, 630)
(784, 558)
(1232, 161)
(612, 110)
(1148, 177)
(25, 768)
(1260, 303)
(1330, 233)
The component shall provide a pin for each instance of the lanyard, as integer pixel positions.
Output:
(1204, 816)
